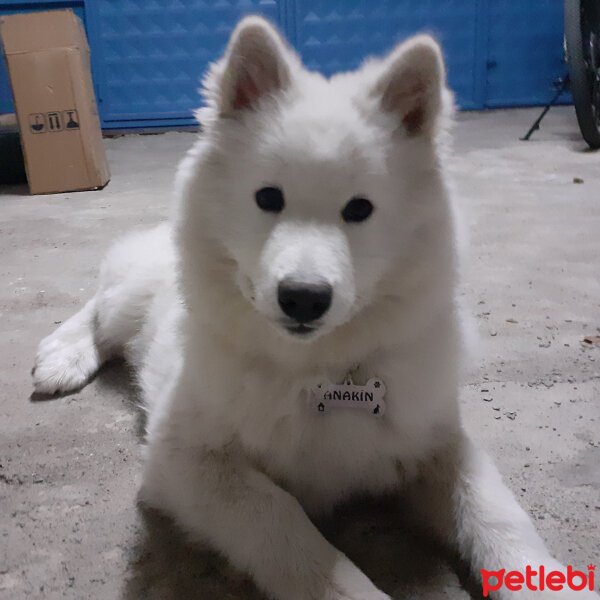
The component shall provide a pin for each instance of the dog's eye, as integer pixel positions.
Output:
(270, 199)
(357, 209)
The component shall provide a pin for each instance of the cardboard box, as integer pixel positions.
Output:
(48, 61)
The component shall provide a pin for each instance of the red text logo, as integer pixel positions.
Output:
(538, 580)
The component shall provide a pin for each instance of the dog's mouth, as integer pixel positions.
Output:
(301, 329)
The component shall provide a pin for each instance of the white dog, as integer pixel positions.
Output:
(301, 305)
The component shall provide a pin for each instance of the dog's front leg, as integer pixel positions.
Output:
(461, 496)
(261, 528)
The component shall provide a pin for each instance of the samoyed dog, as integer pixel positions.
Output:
(301, 305)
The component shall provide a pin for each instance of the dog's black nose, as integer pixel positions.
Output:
(303, 301)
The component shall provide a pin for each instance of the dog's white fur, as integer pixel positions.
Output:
(234, 452)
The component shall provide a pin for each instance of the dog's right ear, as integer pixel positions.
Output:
(412, 85)
(256, 64)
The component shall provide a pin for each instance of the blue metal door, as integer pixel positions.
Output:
(524, 51)
(148, 56)
(334, 35)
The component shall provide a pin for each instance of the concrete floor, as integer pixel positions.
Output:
(69, 467)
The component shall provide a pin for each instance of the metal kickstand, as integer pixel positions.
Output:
(564, 84)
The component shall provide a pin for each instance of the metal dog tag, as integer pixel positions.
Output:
(369, 397)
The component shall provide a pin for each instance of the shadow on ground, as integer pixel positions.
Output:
(164, 565)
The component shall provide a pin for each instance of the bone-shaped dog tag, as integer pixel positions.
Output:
(330, 396)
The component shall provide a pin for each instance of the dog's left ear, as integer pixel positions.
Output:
(255, 65)
(412, 85)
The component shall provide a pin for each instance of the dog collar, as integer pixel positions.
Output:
(369, 398)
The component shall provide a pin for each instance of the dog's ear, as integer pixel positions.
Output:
(412, 84)
(256, 64)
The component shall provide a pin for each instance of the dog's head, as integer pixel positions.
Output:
(315, 188)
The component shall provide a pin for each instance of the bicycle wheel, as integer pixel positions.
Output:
(582, 33)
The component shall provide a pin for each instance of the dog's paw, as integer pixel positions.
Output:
(346, 594)
(64, 363)
(347, 582)
(365, 596)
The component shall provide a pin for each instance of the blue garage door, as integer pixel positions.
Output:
(525, 51)
(148, 55)
(337, 35)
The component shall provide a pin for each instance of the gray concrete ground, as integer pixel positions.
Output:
(69, 467)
